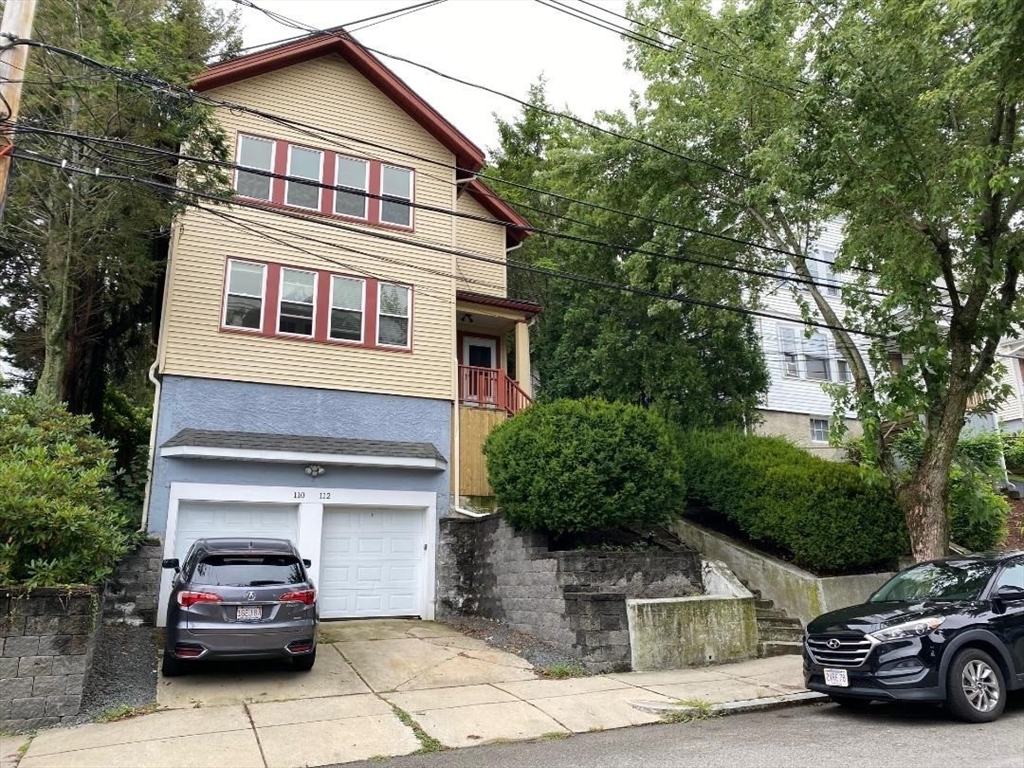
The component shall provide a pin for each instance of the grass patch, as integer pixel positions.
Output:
(427, 742)
(695, 709)
(123, 712)
(563, 671)
(24, 747)
(554, 736)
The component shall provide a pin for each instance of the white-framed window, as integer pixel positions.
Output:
(305, 164)
(352, 174)
(393, 312)
(826, 271)
(843, 372)
(819, 430)
(347, 301)
(298, 302)
(396, 193)
(817, 359)
(789, 346)
(259, 154)
(243, 300)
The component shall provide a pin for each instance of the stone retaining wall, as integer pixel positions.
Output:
(47, 638)
(130, 595)
(575, 600)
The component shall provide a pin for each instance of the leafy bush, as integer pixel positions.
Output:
(1013, 450)
(576, 466)
(977, 513)
(57, 525)
(127, 425)
(822, 515)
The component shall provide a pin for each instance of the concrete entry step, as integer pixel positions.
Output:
(788, 634)
(779, 648)
(762, 604)
(771, 613)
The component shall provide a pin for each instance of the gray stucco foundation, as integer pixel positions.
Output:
(265, 408)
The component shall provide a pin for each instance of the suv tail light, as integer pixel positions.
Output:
(307, 596)
(185, 599)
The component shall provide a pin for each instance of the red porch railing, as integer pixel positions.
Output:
(491, 388)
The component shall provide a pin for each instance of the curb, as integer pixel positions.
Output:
(736, 707)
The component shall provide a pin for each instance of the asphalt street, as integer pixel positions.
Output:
(816, 736)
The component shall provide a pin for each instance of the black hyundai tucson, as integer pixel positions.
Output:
(949, 631)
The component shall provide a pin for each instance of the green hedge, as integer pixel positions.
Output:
(1013, 450)
(821, 515)
(58, 522)
(580, 466)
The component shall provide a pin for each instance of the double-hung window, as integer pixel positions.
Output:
(819, 430)
(298, 296)
(243, 305)
(817, 361)
(347, 297)
(352, 177)
(829, 279)
(396, 192)
(789, 345)
(258, 154)
(393, 315)
(843, 372)
(304, 164)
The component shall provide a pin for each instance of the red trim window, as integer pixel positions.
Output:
(367, 190)
(244, 295)
(315, 305)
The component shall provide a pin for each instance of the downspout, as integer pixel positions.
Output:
(456, 452)
(152, 446)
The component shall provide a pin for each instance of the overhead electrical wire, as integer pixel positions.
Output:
(31, 156)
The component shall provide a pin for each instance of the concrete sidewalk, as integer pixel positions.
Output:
(321, 729)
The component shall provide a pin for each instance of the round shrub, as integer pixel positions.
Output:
(977, 513)
(578, 466)
(822, 515)
(57, 522)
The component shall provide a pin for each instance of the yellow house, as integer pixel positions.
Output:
(333, 346)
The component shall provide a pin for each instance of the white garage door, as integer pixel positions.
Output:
(205, 519)
(371, 562)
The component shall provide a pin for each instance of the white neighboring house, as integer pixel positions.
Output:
(1011, 413)
(795, 405)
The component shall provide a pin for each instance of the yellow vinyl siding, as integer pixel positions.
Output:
(482, 238)
(325, 92)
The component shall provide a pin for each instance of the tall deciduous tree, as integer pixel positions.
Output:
(905, 120)
(81, 257)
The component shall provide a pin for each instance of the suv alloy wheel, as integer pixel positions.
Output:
(975, 690)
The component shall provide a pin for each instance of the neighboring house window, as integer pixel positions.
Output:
(819, 430)
(816, 358)
(311, 305)
(298, 300)
(327, 182)
(790, 344)
(393, 315)
(259, 154)
(843, 369)
(305, 164)
(347, 308)
(243, 305)
(353, 174)
(826, 272)
(396, 187)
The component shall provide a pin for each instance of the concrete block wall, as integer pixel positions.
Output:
(47, 638)
(130, 595)
(573, 600)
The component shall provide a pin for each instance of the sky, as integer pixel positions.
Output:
(503, 44)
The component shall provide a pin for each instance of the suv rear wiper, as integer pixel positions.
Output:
(266, 583)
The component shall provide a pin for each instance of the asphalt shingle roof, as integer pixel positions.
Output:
(340, 446)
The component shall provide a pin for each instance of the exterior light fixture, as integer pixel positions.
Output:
(315, 470)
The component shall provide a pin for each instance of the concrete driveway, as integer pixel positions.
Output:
(377, 656)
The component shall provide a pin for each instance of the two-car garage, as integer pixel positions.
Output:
(370, 553)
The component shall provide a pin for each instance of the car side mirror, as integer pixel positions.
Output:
(307, 562)
(172, 562)
(1010, 593)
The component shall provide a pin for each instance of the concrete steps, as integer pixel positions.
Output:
(778, 633)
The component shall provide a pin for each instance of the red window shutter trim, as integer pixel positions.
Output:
(371, 313)
(273, 292)
(327, 195)
(374, 207)
(322, 319)
(280, 168)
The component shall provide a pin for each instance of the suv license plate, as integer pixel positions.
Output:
(253, 613)
(837, 677)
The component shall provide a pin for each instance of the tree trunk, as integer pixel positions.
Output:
(57, 319)
(923, 500)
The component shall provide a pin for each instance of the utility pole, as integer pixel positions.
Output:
(16, 24)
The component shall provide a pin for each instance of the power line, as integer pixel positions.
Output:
(84, 139)
(32, 156)
(281, 19)
(143, 79)
(381, 18)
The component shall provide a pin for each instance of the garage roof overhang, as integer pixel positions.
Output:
(301, 449)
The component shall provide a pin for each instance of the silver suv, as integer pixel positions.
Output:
(240, 599)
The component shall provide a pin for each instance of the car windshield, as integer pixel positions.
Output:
(248, 570)
(948, 580)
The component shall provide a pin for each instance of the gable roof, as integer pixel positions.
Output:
(467, 154)
(501, 210)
